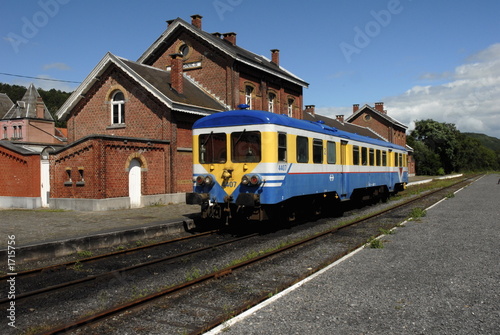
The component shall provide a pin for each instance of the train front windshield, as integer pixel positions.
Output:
(213, 148)
(245, 147)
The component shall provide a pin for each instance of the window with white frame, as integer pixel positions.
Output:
(271, 99)
(118, 108)
(248, 95)
(290, 107)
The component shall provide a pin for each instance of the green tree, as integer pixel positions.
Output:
(426, 161)
(440, 138)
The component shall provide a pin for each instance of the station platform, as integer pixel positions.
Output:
(439, 274)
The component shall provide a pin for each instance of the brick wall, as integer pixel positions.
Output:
(104, 163)
(381, 127)
(227, 81)
(19, 174)
(145, 116)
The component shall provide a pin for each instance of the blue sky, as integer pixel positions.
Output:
(422, 58)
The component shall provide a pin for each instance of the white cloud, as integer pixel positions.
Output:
(470, 98)
(57, 66)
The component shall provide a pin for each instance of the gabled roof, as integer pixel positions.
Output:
(156, 81)
(26, 107)
(348, 127)
(374, 110)
(5, 104)
(239, 54)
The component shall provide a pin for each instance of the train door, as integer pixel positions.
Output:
(345, 169)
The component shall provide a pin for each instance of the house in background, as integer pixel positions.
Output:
(371, 122)
(391, 130)
(129, 122)
(29, 120)
(5, 104)
(27, 132)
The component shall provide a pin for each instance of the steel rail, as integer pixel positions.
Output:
(119, 271)
(111, 254)
(228, 270)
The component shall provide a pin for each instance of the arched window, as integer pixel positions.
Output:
(271, 100)
(248, 96)
(118, 108)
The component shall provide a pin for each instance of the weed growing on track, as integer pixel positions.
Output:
(417, 213)
(375, 243)
(385, 231)
(84, 254)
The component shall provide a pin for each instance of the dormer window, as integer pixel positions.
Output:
(118, 108)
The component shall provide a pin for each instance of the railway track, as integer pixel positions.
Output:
(240, 276)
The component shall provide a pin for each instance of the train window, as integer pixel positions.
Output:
(302, 149)
(331, 152)
(355, 155)
(400, 156)
(384, 158)
(372, 157)
(364, 156)
(317, 151)
(245, 147)
(378, 157)
(212, 148)
(282, 147)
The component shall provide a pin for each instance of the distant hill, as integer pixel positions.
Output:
(489, 142)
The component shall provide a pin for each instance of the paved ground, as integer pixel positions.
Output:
(40, 226)
(437, 275)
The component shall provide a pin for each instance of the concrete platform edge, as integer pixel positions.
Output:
(87, 243)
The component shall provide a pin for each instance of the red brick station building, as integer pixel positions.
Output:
(128, 142)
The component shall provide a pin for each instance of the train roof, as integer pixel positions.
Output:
(252, 117)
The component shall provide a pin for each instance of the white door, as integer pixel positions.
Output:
(134, 183)
(45, 182)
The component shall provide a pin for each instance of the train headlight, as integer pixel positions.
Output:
(208, 180)
(251, 180)
(245, 180)
(202, 180)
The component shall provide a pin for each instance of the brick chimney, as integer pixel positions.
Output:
(40, 110)
(275, 56)
(379, 106)
(196, 20)
(340, 118)
(176, 77)
(310, 109)
(355, 108)
(230, 37)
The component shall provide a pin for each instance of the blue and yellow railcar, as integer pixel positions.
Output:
(259, 165)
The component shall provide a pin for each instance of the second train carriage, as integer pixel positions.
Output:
(260, 165)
